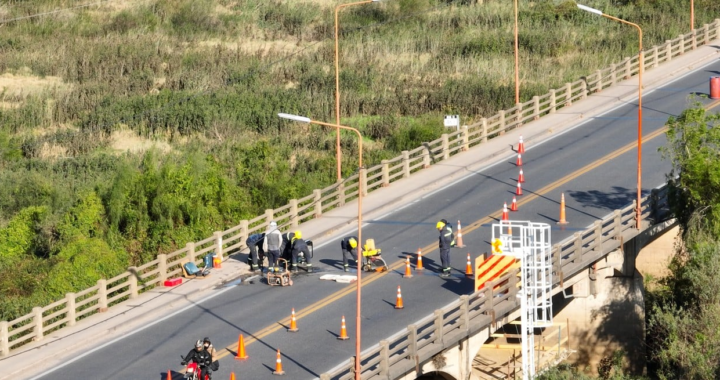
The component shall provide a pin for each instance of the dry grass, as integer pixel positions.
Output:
(125, 140)
(17, 86)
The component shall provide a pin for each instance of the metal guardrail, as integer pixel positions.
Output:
(65, 312)
(469, 314)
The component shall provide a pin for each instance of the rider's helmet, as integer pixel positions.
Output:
(298, 235)
(199, 344)
(353, 242)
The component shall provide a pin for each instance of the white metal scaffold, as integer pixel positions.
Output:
(529, 242)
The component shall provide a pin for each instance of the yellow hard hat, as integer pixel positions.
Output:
(353, 243)
(298, 234)
(440, 225)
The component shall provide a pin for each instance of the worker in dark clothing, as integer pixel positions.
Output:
(286, 246)
(200, 356)
(349, 251)
(257, 254)
(447, 241)
(300, 246)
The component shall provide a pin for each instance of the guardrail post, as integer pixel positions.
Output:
(613, 74)
(706, 33)
(190, 251)
(518, 115)
(438, 327)
(426, 156)
(628, 71)
(4, 339)
(37, 320)
(384, 358)
(412, 341)
(694, 39)
(162, 267)
(102, 295)
(668, 50)
(617, 224)
(465, 138)
(445, 146)
(717, 30)
(568, 94)
(70, 305)
(318, 204)
(219, 244)
(406, 163)
(583, 88)
(269, 215)
(294, 213)
(598, 234)
(244, 230)
(385, 173)
(133, 282)
(577, 252)
(553, 101)
(536, 107)
(682, 45)
(484, 130)
(502, 121)
(464, 313)
(655, 56)
(362, 177)
(341, 194)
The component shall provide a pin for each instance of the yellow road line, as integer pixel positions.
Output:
(431, 247)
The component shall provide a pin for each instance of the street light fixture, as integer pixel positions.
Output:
(337, 83)
(639, 127)
(303, 119)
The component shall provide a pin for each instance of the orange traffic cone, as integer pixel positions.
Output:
(521, 146)
(518, 191)
(278, 365)
(232, 375)
(169, 375)
(399, 302)
(468, 268)
(505, 215)
(419, 265)
(518, 162)
(521, 177)
(459, 242)
(408, 271)
(293, 322)
(513, 205)
(241, 355)
(343, 330)
(562, 210)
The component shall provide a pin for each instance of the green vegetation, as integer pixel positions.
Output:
(88, 91)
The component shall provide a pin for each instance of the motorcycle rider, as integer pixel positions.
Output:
(200, 356)
(271, 244)
(299, 245)
(349, 250)
(213, 353)
(257, 254)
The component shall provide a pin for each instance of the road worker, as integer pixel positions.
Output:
(271, 244)
(446, 241)
(349, 251)
(300, 246)
(256, 257)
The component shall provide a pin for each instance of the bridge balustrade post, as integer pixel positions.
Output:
(557, 258)
(133, 282)
(553, 101)
(439, 321)
(694, 39)
(706, 33)
(317, 196)
(617, 224)
(613, 74)
(465, 138)
(341, 194)
(628, 70)
(324, 376)
(190, 247)
(363, 179)
(518, 115)
(464, 313)
(583, 88)
(38, 323)
(668, 50)
(717, 29)
(412, 341)
(484, 130)
(102, 295)
(244, 230)
(162, 267)
(682, 45)
(577, 252)
(385, 173)
(513, 288)
(598, 235)
(218, 244)
(489, 300)
(536, 107)
(294, 220)
(426, 156)
(384, 358)
(568, 94)
(406, 163)
(502, 121)
(4, 339)
(655, 56)
(445, 146)
(70, 307)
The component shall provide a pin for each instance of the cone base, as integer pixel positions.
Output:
(407, 276)
(292, 330)
(565, 222)
(343, 338)
(241, 357)
(399, 307)
(279, 373)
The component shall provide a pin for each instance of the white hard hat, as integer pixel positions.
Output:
(273, 224)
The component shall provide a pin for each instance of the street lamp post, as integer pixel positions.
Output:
(639, 125)
(517, 64)
(337, 84)
(692, 15)
(303, 119)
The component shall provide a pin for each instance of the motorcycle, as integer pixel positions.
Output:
(192, 371)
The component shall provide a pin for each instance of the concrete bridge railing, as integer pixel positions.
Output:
(419, 342)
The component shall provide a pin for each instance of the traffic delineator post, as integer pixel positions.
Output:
(419, 265)
(408, 271)
(293, 322)
(521, 177)
(468, 268)
(513, 205)
(278, 365)
(562, 210)
(521, 145)
(505, 214)
(399, 301)
(518, 161)
(241, 355)
(518, 191)
(343, 330)
(459, 242)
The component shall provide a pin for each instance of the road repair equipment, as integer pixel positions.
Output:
(399, 301)
(343, 330)
(241, 355)
(521, 177)
(468, 267)
(279, 275)
(562, 210)
(372, 260)
(513, 205)
(419, 265)
(278, 365)
(459, 242)
(293, 322)
(505, 215)
(521, 146)
(408, 271)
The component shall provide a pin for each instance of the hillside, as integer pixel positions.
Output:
(128, 128)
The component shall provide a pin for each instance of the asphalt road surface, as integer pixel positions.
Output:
(594, 165)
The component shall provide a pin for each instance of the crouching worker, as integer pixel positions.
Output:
(255, 243)
(349, 251)
(300, 246)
